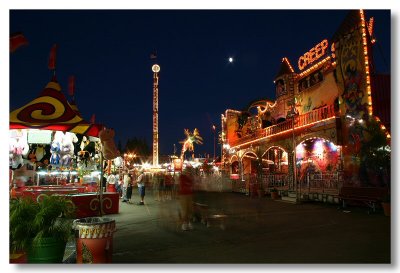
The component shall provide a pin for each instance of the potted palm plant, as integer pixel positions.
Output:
(41, 228)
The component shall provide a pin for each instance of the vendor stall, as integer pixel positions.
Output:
(57, 151)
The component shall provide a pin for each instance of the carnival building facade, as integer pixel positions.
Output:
(308, 142)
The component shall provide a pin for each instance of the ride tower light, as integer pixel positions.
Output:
(155, 68)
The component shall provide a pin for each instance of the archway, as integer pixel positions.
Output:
(317, 157)
(279, 159)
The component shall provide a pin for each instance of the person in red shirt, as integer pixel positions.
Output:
(168, 183)
(186, 197)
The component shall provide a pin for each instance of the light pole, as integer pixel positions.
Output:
(292, 115)
(213, 127)
(294, 158)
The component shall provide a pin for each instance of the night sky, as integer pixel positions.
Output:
(108, 52)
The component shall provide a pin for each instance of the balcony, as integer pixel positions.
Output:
(312, 117)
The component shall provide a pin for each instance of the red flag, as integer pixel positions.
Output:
(17, 40)
(52, 57)
(93, 119)
(71, 85)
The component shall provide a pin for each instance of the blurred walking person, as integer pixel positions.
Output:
(119, 185)
(186, 197)
(168, 184)
(129, 192)
(141, 187)
(127, 181)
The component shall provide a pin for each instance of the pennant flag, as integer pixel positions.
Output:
(71, 85)
(52, 57)
(17, 40)
(153, 56)
(93, 119)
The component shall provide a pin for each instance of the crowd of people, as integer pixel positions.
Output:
(165, 187)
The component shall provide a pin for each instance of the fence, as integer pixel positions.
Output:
(328, 182)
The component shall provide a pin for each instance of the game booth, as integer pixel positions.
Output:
(53, 150)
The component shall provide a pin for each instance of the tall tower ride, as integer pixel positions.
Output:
(155, 68)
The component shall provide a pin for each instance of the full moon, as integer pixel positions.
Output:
(230, 59)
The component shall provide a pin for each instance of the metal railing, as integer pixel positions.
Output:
(301, 120)
(327, 182)
(278, 181)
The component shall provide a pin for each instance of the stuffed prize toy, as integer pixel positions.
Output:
(109, 150)
(55, 148)
(40, 152)
(23, 144)
(32, 156)
(86, 152)
(15, 153)
(18, 148)
(118, 161)
(65, 154)
(67, 149)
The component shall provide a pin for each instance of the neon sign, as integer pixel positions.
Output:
(314, 54)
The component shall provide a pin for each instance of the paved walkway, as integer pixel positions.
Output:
(255, 231)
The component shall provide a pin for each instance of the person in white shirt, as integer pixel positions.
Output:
(111, 179)
(119, 185)
(127, 181)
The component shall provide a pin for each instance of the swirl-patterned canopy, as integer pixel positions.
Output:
(51, 111)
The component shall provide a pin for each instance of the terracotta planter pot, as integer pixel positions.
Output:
(274, 195)
(94, 240)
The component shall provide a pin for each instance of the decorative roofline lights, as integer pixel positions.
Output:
(314, 67)
(371, 29)
(366, 62)
(288, 63)
(232, 111)
(280, 133)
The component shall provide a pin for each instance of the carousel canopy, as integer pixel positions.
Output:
(51, 111)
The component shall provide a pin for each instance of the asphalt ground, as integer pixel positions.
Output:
(255, 231)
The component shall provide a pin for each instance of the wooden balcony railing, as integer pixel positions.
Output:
(314, 116)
